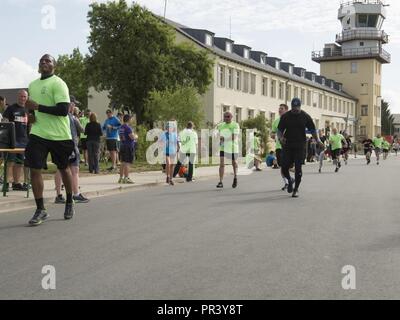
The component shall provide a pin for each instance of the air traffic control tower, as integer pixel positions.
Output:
(356, 59)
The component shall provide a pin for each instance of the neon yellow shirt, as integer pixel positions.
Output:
(84, 121)
(226, 130)
(49, 92)
(189, 141)
(335, 141)
(377, 142)
(275, 125)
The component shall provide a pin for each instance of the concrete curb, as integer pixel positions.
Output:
(30, 203)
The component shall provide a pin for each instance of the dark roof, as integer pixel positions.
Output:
(11, 94)
(254, 64)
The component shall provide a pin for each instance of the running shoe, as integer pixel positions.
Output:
(319, 170)
(80, 199)
(128, 180)
(220, 185)
(234, 184)
(121, 180)
(69, 211)
(337, 169)
(171, 183)
(19, 187)
(59, 199)
(39, 216)
(285, 187)
(295, 193)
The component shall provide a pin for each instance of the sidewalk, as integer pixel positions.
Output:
(97, 186)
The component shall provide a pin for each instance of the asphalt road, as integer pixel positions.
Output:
(192, 241)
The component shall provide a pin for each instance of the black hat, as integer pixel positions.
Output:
(296, 102)
(72, 99)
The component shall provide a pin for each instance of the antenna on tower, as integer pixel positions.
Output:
(165, 8)
(230, 27)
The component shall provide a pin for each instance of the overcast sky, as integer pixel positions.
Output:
(288, 29)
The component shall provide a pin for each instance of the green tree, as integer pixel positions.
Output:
(72, 69)
(182, 104)
(132, 53)
(386, 119)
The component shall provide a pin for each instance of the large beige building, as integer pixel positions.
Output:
(248, 83)
(356, 60)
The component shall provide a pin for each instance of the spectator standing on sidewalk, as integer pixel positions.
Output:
(83, 139)
(74, 160)
(188, 149)
(111, 127)
(127, 139)
(93, 132)
(16, 113)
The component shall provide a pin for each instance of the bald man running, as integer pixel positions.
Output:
(50, 133)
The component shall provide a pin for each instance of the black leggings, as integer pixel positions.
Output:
(293, 155)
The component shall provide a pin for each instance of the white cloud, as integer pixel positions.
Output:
(16, 73)
(393, 97)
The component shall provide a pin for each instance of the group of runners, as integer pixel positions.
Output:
(49, 107)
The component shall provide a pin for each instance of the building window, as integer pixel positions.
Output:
(335, 105)
(250, 114)
(340, 106)
(289, 92)
(364, 88)
(317, 124)
(221, 76)
(320, 101)
(303, 95)
(238, 114)
(363, 130)
(303, 73)
(361, 44)
(262, 59)
(296, 92)
(264, 86)
(238, 80)
(314, 99)
(352, 109)
(281, 84)
(330, 103)
(246, 53)
(230, 78)
(323, 81)
(208, 40)
(246, 82)
(308, 97)
(228, 47)
(253, 83)
(325, 102)
(364, 110)
(272, 116)
(313, 78)
(273, 89)
(354, 67)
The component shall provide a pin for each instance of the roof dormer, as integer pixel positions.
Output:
(288, 67)
(310, 76)
(274, 62)
(224, 44)
(242, 50)
(204, 36)
(300, 72)
(320, 79)
(259, 56)
(338, 86)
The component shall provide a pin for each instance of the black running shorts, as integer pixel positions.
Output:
(38, 149)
